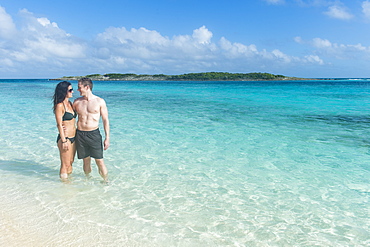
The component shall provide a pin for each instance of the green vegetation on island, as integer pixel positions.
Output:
(206, 76)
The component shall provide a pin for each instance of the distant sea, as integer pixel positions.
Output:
(277, 163)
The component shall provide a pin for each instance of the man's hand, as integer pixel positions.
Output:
(106, 144)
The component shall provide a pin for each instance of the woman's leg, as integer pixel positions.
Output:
(72, 152)
(65, 160)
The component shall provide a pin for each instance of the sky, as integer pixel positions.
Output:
(300, 38)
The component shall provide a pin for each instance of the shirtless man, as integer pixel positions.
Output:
(89, 144)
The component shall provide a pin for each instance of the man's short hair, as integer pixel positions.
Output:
(86, 82)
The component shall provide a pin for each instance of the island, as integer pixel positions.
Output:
(205, 76)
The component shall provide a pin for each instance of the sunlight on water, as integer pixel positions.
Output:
(193, 164)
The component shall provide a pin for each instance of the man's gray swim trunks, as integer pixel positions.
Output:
(89, 144)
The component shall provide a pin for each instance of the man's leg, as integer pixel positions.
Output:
(87, 166)
(102, 169)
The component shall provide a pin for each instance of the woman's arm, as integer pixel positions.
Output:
(59, 112)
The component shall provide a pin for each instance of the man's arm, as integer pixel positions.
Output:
(104, 116)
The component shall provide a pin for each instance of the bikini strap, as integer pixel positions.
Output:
(65, 108)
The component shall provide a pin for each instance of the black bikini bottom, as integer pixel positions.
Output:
(71, 139)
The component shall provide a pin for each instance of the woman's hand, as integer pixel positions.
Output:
(65, 145)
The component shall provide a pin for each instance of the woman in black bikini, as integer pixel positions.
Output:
(66, 122)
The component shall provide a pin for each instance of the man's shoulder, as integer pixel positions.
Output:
(78, 99)
(100, 100)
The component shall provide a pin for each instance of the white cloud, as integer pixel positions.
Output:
(332, 50)
(143, 43)
(40, 26)
(235, 50)
(139, 36)
(37, 46)
(321, 43)
(338, 12)
(45, 41)
(298, 39)
(366, 8)
(45, 22)
(314, 59)
(202, 35)
(49, 47)
(281, 56)
(7, 27)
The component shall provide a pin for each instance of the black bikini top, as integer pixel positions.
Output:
(67, 115)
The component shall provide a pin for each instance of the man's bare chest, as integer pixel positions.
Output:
(87, 107)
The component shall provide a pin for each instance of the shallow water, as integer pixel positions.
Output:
(193, 164)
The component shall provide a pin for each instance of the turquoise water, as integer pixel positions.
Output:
(193, 164)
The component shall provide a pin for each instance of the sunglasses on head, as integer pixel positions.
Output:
(70, 90)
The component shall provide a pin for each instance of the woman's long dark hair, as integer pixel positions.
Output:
(60, 93)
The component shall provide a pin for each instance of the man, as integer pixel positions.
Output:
(89, 144)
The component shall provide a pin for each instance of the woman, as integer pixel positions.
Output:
(66, 122)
